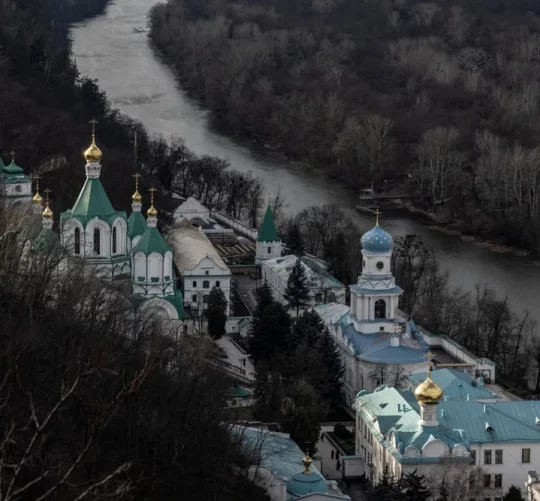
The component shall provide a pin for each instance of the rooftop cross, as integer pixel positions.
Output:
(151, 190)
(47, 191)
(377, 213)
(93, 122)
(12, 156)
(37, 178)
(429, 356)
(136, 176)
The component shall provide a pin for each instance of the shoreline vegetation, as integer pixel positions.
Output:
(437, 93)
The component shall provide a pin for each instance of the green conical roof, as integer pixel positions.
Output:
(47, 241)
(92, 201)
(268, 231)
(136, 225)
(151, 241)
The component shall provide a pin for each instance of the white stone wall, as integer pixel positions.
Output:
(267, 250)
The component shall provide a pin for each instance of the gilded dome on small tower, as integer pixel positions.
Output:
(37, 198)
(136, 197)
(152, 211)
(428, 392)
(93, 153)
(47, 213)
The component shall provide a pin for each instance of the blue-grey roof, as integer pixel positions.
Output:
(377, 241)
(302, 484)
(455, 384)
(376, 347)
(460, 422)
(359, 290)
(277, 452)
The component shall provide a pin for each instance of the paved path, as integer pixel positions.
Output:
(324, 450)
(234, 355)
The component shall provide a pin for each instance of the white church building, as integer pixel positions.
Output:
(103, 240)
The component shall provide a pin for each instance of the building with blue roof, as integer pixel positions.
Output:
(479, 445)
(378, 344)
(280, 466)
(456, 384)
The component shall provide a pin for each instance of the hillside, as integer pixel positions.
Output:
(444, 94)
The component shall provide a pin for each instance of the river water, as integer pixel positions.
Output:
(113, 48)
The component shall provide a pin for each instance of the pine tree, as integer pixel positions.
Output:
(215, 313)
(334, 367)
(295, 241)
(385, 489)
(270, 332)
(297, 291)
(513, 494)
(308, 328)
(264, 298)
(412, 487)
(443, 492)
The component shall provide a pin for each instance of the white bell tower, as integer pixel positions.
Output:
(374, 298)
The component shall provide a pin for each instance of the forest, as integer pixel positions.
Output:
(45, 107)
(438, 99)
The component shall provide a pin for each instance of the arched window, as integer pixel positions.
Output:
(77, 241)
(97, 242)
(206, 284)
(380, 308)
(114, 240)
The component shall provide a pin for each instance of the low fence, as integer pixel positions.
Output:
(237, 226)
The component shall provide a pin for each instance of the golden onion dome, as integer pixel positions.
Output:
(136, 197)
(152, 211)
(93, 153)
(47, 213)
(428, 392)
(37, 198)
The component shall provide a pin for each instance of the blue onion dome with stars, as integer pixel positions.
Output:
(377, 240)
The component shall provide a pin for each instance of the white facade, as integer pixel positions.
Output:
(323, 287)
(192, 210)
(267, 250)
(201, 267)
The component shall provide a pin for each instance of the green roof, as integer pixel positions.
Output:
(268, 230)
(238, 391)
(47, 240)
(12, 168)
(136, 225)
(2, 164)
(151, 241)
(93, 202)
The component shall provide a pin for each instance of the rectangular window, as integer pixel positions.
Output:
(218, 284)
(206, 284)
(498, 480)
(473, 457)
(487, 480)
(487, 457)
(499, 456)
(114, 240)
(525, 455)
(269, 251)
(194, 283)
(206, 272)
(97, 242)
(194, 298)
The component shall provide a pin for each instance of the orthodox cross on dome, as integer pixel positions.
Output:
(136, 176)
(377, 213)
(12, 156)
(47, 191)
(93, 122)
(37, 178)
(429, 356)
(151, 190)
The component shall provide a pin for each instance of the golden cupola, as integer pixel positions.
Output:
(47, 212)
(37, 198)
(136, 198)
(152, 211)
(428, 392)
(93, 153)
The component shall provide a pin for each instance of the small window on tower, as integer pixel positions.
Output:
(114, 240)
(380, 265)
(97, 242)
(77, 242)
(269, 250)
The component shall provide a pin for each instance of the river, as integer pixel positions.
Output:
(113, 48)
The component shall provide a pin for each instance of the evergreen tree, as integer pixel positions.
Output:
(308, 328)
(385, 489)
(412, 487)
(334, 367)
(215, 313)
(294, 240)
(270, 332)
(513, 494)
(264, 299)
(297, 291)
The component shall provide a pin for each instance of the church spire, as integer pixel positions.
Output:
(268, 231)
(152, 212)
(93, 155)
